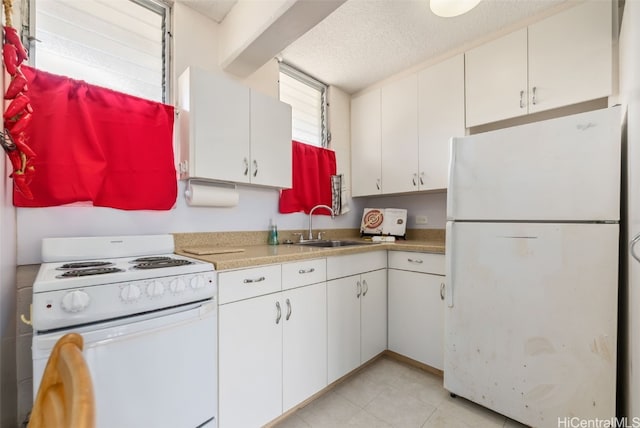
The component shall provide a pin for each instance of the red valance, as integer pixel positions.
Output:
(95, 144)
(312, 171)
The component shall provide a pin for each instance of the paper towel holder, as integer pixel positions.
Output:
(206, 182)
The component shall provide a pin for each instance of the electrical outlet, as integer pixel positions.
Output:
(421, 219)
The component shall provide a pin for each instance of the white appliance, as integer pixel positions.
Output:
(384, 221)
(532, 269)
(149, 322)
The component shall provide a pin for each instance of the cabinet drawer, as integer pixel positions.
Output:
(417, 262)
(341, 266)
(304, 272)
(247, 283)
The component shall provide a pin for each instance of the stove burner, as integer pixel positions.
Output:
(151, 259)
(163, 264)
(89, 272)
(82, 265)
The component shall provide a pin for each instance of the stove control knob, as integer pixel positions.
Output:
(75, 301)
(155, 289)
(130, 293)
(198, 282)
(177, 286)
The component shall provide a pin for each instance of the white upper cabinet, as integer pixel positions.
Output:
(231, 133)
(365, 145)
(570, 56)
(440, 117)
(270, 141)
(496, 79)
(399, 127)
(214, 126)
(400, 134)
(559, 61)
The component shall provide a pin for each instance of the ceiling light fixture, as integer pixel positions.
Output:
(450, 8)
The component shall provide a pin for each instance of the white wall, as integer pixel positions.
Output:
(630, 97)
(431, 205)
(195, 43)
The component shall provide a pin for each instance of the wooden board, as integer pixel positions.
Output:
(201, 251)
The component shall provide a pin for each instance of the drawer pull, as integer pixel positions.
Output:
(303, 271)
(359, 287)
(418, 261)
(250, 280)
(442, 291)
(365, 286)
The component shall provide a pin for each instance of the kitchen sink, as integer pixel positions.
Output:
(333, 243)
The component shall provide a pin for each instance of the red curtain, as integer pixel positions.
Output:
(95, 144)
(312, 171)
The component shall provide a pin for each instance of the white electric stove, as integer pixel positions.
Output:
(149, 322)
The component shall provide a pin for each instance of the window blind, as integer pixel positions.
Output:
(115, 44)
(308, 105)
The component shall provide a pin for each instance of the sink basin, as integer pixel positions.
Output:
(333, 243)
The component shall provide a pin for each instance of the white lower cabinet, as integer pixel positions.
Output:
(304, 343)
(287, 331)
(356, 310)
(250, 362)
(343, 326)
(273, 347)
(373, 314)
(416, 306)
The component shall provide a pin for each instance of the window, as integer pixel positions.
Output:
(308, 101)
(121, 45)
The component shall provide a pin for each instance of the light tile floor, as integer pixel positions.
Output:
(388, 393)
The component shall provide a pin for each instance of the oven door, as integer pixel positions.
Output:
(152, 370)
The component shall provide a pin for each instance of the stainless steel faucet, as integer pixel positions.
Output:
(333, 215)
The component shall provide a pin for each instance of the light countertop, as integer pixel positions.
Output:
(251, 254)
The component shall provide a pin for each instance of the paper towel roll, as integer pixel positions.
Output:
(204, 195)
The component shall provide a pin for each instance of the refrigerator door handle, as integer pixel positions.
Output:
(449, 264)
(632, 247)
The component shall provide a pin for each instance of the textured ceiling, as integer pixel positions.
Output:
(214, 9)
(365, 41)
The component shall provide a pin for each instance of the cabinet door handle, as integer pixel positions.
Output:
(534, 100)
(521, 99)
(246, 166)
(303, 271)
(421, 178)
(442, 291)
(252, 280)
(278, 313)
(418, 261)
(632, 246)
(378, 184)
(255, 168)
(365, 286)
(359, 287)
(413, 180)
(289, 310)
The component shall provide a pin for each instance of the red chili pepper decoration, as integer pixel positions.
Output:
(18, 105)
(14, 157)
(11, 36)
(20, 181)
(21, 143)
(18, 114)
(20, 125)
(10, 56)
(18, 84)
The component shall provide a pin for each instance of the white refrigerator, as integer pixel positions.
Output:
(532, 269)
